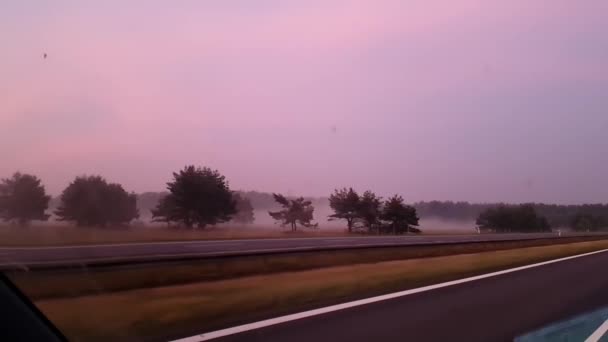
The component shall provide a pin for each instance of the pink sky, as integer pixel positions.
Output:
(475, 100)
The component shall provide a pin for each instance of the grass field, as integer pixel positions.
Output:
(57, 235)
(171, 311)
(67, 235)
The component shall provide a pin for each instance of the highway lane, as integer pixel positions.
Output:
(135, 251)
(492, 309)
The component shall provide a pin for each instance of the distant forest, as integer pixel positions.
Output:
(557, 215)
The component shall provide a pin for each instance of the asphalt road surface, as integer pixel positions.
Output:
(492, 309)
(15, 256)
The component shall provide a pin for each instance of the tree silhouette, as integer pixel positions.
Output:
(400, 217)
(197, 197)
(370, 208)
(346, 206)
(92, 201)
(512, 218)
(165, 210)
(293, 212)
(22, 199)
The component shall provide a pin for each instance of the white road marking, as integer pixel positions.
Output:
(342, 239)
(597, 334)
(233, 244)
(320, 311)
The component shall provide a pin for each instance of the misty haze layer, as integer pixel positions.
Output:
(485, 101)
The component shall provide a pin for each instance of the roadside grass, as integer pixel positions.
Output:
(176, 311)
(50, 235)
(63, 235)
(78, 281)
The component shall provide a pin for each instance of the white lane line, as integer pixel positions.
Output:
(207, 246)
(338, 241)
(601, 331)
(320, 311)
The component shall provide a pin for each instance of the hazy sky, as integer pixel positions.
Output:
(475, 100)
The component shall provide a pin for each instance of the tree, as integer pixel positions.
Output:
(244, 210)
(122, 206)
(22, 199)
(345, 203)
(92, 201)
(197, 197)
(370, 208)
(294, 212)
(518, 218)
(165, 210)
(400, 217)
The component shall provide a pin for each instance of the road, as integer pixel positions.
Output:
(492, 309)
(24, 256)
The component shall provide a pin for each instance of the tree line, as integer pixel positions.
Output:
(514, 218)
(368, 212)
(583, 217)
(201, 197)
(195, 197)
(86, 201)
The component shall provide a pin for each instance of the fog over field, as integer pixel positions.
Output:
(262, 203)
(432, 225)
